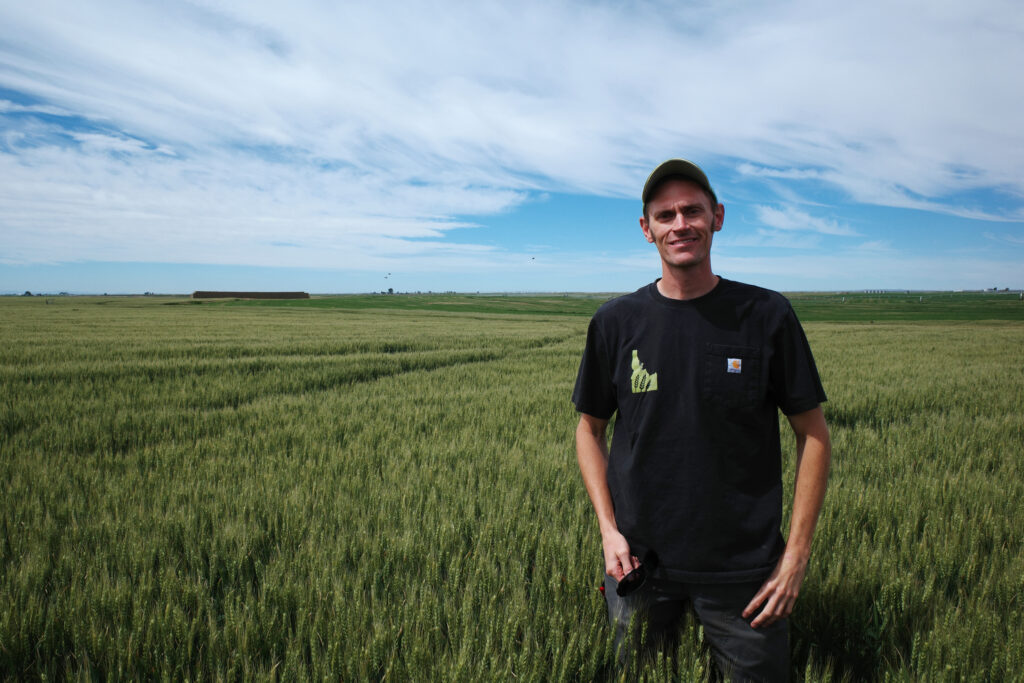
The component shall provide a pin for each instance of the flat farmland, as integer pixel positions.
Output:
(385, 488)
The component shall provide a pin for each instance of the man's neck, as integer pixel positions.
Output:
(682, 284)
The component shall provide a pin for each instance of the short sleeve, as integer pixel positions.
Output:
(594, 393)
(795, 383)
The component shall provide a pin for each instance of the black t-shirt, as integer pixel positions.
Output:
(695, 464)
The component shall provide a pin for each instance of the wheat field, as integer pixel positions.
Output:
(349, 491)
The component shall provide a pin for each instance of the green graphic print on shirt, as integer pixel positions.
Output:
(641, 380)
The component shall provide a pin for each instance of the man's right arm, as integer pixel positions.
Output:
(592, 455)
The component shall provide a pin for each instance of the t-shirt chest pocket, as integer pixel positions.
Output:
(732, 376)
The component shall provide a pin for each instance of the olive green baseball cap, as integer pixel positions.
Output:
(677, 167)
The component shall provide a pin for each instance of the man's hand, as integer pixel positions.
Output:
(592, 453)
(779, 591)
(618, 561)
(813, 456)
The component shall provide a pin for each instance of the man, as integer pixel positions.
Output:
(689, 498)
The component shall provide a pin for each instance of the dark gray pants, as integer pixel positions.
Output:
(741, 652)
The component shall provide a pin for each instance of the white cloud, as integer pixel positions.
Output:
(1015, 240)
(98, 142)
(772, 239)
(784, 173)
(876, 245)
(790, 218)
(8, 107)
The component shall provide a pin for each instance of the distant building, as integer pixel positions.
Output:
(249, 295)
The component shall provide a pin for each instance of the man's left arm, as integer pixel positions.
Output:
(813, 457)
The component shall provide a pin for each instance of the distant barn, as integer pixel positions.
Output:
(250, 295)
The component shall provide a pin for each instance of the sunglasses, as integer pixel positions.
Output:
(636, 578)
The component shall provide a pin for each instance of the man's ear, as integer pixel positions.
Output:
(647, 231)
(719, 217)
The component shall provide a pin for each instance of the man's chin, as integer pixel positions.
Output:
(686, 261)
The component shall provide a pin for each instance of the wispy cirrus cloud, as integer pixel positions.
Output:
(1006, 238)
(780, 173)
(772, 239)
(875, 246)
(8, 107)
(790, 218)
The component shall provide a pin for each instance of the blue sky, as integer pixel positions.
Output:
(347, 147)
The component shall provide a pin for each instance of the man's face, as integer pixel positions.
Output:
(680, 221)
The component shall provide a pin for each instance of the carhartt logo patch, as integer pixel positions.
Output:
(734, 365)
(641, 380)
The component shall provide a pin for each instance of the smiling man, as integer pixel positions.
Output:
(689, 497)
